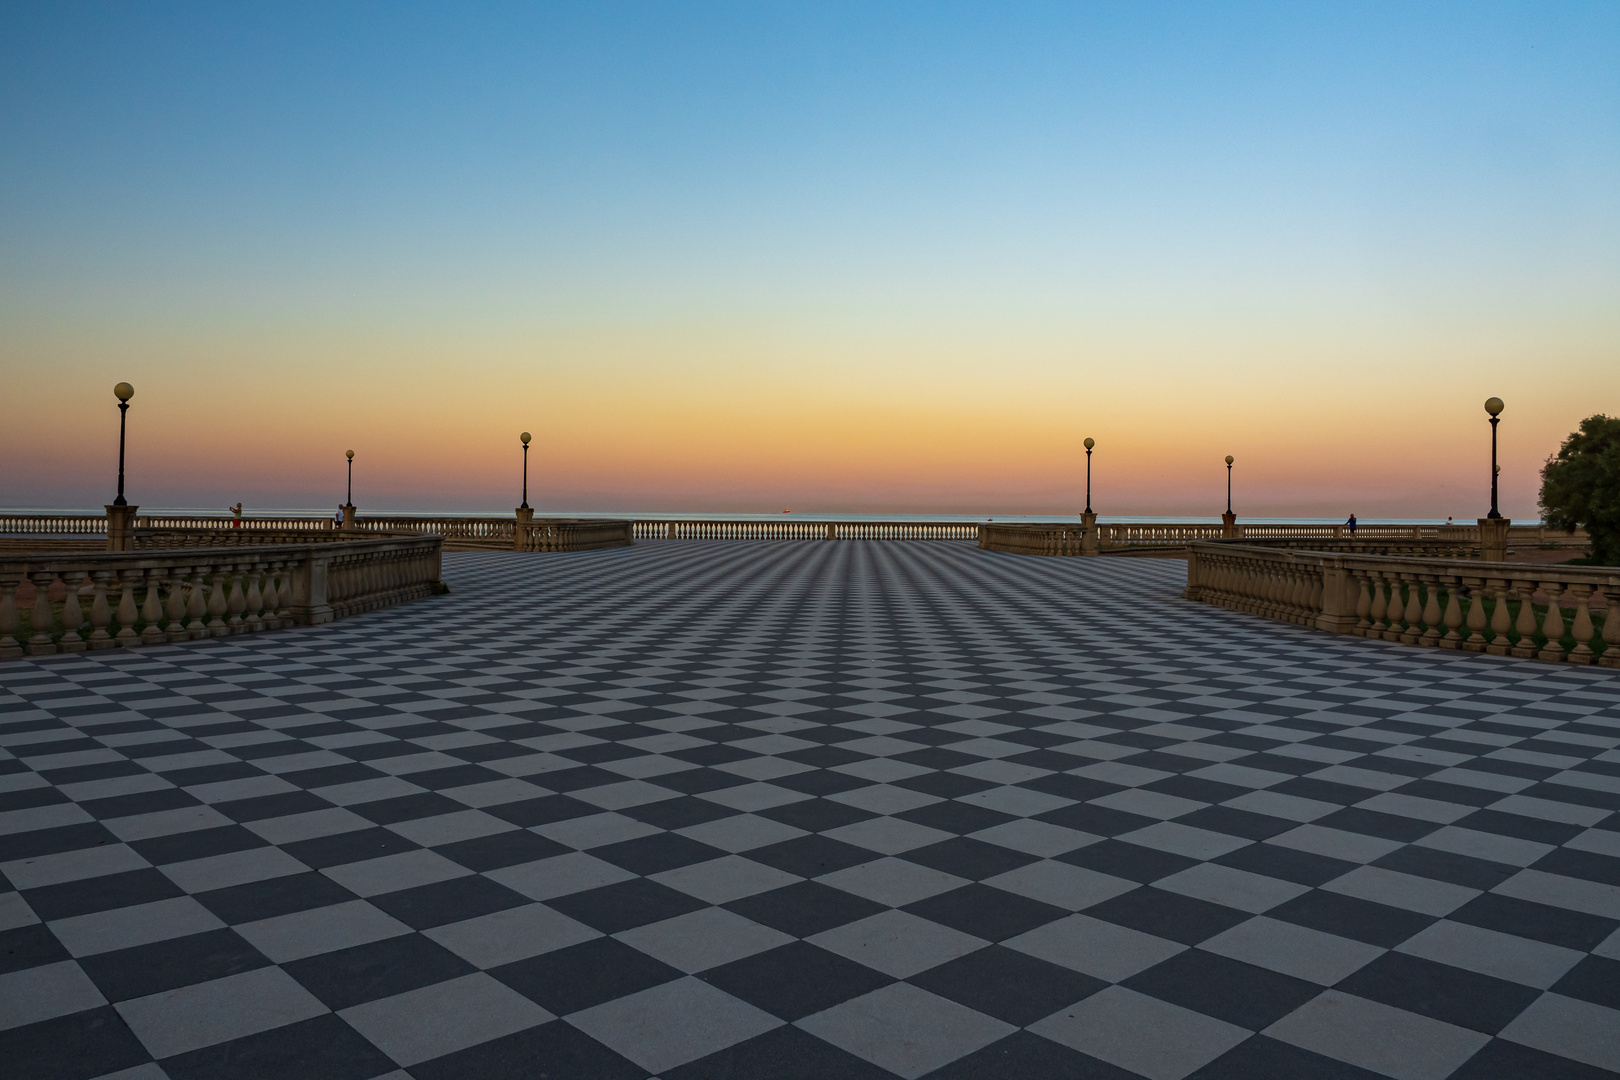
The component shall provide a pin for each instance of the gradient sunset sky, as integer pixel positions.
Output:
(834, 257)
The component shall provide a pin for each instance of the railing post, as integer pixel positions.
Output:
(309, 606)
(10, 647)
(1493, 538)
(1339, 594)
(520, 531)
(121, 528)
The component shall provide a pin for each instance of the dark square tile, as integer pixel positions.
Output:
(542, 811)
(656, 853)
(678, 813)
(1260, 1058)
(1234, 822)
(713, 754)
(261, 807)
(1518, 825)
(1455, 996)
(166, 965)
(1446, 866)
(1069, 786)
(1347, 916)
(485, 853)
(957, 817)
(969, 858)
(1229, 990)
(1372, 823)
(985, 912)
(1581, 864)
(31, 845)
(74, 1047)
(1307, 788)
(816, 815)
(795, 980)
(575, 978)
(1168, 915)
(376, 970)
(448, 901)
(81, 897)
(945, 785)
(1129, 861)
(697, 781)
(1555, 926)
(1193, 787)
(804, 908)
(1595, 979)
(935, 757)
(103, 770)
(338, 1051)
(784, 1053)
(1097, 820)
(407, 808)
(597, 753)
(582, 778)
(324, 851)
(196, 844)
(1023, 1056)
(29, 946)
(144, 802)
(821, 782)
(275, 896)
(331, 775)
(556, 1050)
(613, 908)
(810, 856)
(1008, 985)
(1300, 867)
(1500, 1060)
(455, 776)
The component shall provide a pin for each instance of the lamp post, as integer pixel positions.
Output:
(350, 500)
(1228, 519)
(1493, 527)
(525, 504)
(1494, 406)
(1090, 442)
(1088, 521)
(123, 392)
(121, 515)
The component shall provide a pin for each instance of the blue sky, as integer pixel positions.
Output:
(917, 209)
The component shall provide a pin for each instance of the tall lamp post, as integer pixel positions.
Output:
(121, 515)
(1228, 519)
(1088, 520)
(1493, 527)
(520, 534)
(348, 506)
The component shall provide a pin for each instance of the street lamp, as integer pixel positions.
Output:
(1494, 406)
(123, 392)
(350, 456)
(1228, 483)
(525, 438)
(1090, 442)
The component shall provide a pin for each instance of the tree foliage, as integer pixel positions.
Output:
(1580, 486)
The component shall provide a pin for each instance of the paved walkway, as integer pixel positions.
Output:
(818, 810)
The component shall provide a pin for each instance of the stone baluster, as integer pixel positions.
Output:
(100, 611)
(1453, 617)
(1581, 629)
(1501, 620)
(10, 647)
(152, 610)
(1431, 611)
(41, 618)
(1414, 612)
(1363, 603)
(1552, 627)
(1525, 647)
(1476, 616)
(176, 609)
(284, 595)
(72, 613)
(1611, 627)
(217, 607)
(237, 602)
(253, 621)
(128, 613)
(272, 596)
(197, 605)
(1397, 606)
(1379, 606)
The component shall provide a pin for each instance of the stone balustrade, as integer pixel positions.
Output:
(801, 529)
(1561, 614)
(101, 600)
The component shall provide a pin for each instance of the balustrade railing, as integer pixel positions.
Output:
(73, 602)
(801, 529)
(1554, 613)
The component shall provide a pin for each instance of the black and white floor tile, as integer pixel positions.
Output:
(823, 809)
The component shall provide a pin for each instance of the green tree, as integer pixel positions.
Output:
(1580, 486)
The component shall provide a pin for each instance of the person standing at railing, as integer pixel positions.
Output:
(1352, 524)
(236, 515)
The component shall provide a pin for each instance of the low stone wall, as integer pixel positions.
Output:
(1560, 614)
(150, 598)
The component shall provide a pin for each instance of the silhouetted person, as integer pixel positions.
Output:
(1352, 524)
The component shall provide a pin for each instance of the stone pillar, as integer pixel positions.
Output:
(348, 516)
(520, 535)
(1229, 526)
(121, 528)
(1493, 534)
(1088, 535)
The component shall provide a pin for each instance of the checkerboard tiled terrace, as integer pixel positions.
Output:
(848, 809)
